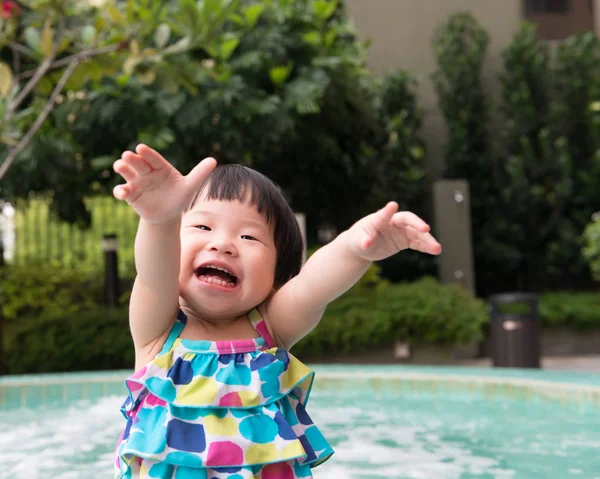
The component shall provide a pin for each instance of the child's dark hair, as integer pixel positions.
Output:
(240, 183)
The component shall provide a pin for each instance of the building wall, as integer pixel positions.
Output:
(400, 32)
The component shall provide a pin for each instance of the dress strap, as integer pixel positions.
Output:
(261, 327)
(175, 332)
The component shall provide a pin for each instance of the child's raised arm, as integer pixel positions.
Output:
(159, 194)
(295, 309)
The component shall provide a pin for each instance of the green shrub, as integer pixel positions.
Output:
(97, 339)
(580, 311)
(591, 250)
(42, 290)
(420, 312)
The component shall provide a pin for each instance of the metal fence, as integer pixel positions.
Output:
(33, 235)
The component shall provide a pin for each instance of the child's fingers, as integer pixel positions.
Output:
(153, 157)
(385, 214)
(121, 192)
(200, 172)
(422, 241)
(122, 168)
(139, 164)
(405, 219)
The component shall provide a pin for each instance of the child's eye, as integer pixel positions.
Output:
(203, 227)
(248, 237)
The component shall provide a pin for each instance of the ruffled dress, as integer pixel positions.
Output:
(219, 409)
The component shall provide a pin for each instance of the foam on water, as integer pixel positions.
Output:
(374, 435)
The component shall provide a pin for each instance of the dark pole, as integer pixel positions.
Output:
(2, 368)
(110, 245)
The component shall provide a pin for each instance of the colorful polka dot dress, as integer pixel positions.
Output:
(219, 410)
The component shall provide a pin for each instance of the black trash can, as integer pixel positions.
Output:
(515, 330)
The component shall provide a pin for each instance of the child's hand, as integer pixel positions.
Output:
(155, 189)
(388, 231)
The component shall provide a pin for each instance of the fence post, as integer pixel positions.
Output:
(2, 367)
(110, 245)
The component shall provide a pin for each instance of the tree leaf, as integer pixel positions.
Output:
(324, 9)
(32, 38)
(253, 13)
(162, 35)
(47, 38)
(6, 80)
(280, 74)
(228, 47)
(115, 14)
(88, 34)
(146, 76)
(312, 38)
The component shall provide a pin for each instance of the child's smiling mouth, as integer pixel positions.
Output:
(218, 274)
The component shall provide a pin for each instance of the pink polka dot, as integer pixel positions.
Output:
(224, 453)
(134, 387)
(231, 399)
(280, 470)
(139, 373)
(152, 400)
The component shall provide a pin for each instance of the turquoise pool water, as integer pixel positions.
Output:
(384, 422)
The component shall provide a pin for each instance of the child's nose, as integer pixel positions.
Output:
(223, 246)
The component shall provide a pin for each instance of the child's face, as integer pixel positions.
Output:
(234, 237)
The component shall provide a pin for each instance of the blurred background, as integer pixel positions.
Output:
(481, 116)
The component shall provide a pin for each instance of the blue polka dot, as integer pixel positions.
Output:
(288, 412)
(270, 388)
(160, 470)
(272, 370)
(284, 429)
(191, 461)
(239, 413)
(310, 453)
(229, 470)
(205, 366)
(317, 440)
(261, 361)
(192, 413)
(283, 356)
(260, 429)
(127, 428)
(186, 436)
(236, 476)
(235, 375)
(181, 372)
(303, 416)
(162, 388)
(239, 358)
(302, 470)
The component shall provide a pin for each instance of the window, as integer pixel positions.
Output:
(533, 7)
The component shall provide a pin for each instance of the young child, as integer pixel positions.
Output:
(218, 301)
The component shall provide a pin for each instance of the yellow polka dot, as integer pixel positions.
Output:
(226, 426)
(260, 453)
(248, 398)
(200, 390)
(296, 371)
(295, 449)
(164, 361)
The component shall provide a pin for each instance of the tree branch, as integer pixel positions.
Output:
(12, 154)
(80, 56)
(39, 73)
